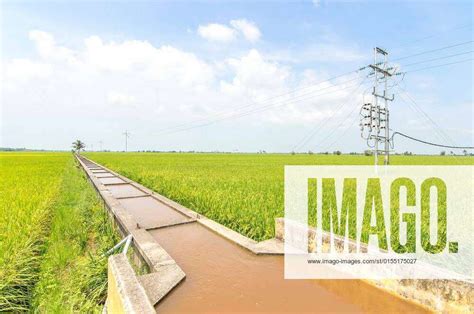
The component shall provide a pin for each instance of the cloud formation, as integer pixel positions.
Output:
(120, 99)
(224, 33)
(248, 29)
(145, 88)
(216, 32)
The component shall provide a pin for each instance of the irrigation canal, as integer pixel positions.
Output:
(223, 276)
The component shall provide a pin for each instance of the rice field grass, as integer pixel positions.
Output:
(53, 231)
(29, 185)
(241, 191)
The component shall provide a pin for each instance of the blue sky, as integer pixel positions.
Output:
(153, 65)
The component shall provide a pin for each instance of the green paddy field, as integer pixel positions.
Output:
(241, 191)
(54, 231)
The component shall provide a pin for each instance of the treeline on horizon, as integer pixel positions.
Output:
(337, 152)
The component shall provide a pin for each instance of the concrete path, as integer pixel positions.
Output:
(223, 273)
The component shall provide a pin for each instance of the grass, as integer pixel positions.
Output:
(29, 185)
(73, 274)
(241, 191)
(53, 231)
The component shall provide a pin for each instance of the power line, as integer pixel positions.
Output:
(446, 136)
(257, 110)
(438, 66)
(438, 132)
(252, 103)
(435, 35)
(440, 58)
(249, 112)
(430, 143)
(433, 50)
(349, 125)
(235, 112)
(322, 123)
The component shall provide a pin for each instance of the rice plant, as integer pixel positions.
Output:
(241, 191)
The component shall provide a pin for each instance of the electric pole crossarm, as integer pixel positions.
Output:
(384, 96)
(380, 70)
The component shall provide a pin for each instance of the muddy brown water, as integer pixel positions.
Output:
(150, 213)
(221, 276)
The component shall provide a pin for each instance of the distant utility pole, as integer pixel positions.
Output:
(375, 116)
(100, 143)
(127, 135)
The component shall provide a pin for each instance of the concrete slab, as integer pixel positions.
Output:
(105, 175)
(111, 180)
(271, 246)
(159, 283)
(125, 292)
(150, 213)
(100, 171)
(125, 191)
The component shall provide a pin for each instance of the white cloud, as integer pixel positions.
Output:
(216, 32)
(23, 70)
(249, 30)
(113, 56)
(149, 87)
(121, 99)
(255, 76)
(47, 48)
(223, 33)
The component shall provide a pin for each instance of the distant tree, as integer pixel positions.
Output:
(452, 153)
(407, 153)
(310, 152)
(368, 152)
(78, 145)
(337, 152)
(443, 153)
(293, 153)
(464, 152)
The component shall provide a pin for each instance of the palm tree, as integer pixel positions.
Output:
(78, 145)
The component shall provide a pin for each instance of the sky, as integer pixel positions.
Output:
(231, 76)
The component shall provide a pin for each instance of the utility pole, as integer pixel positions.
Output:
(375, 116)
(127, 135)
